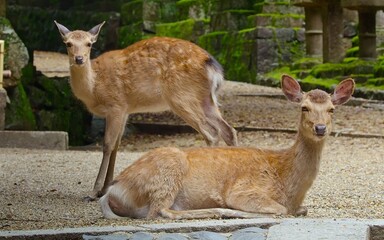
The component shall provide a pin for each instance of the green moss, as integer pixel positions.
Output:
(376, 83)
(327, 70)
(352, 52)
(277, 73)
(181, 29)
(306, 63)
(359, 67)
(186, 2)
(258, 7)
(276, 15)
(130, 34)
(19, 114)
(131, 12)
(350, 59)
(355, 41)
(311, 82)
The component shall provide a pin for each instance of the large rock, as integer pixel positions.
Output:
(16, 54)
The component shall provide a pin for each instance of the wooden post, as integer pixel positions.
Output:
(3, 93)
(1, 62)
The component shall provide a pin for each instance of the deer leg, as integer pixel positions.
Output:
(254, 202)
(195, 117)
(213, 213)
(113, 131)
(302, 211)
(112, 160)
(213, 115)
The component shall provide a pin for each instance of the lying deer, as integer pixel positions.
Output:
(152, 75)
(230, 181)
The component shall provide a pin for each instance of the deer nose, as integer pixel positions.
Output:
(320, 129)
(79, 60)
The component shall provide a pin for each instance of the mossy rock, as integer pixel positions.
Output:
(306, 63)
(281, 8)
(301, 73)
(231, 20)
(352, 52)
(326, 84)
(379, 82)
(236, 51)
(327, 70)
(360, 78)
(54, 107)
(213, 42)
(188, 29)
(359, 67)
(277, 20)
(379, 68)
(239, 4)
(19, 114)
(167, 10)
(131, 12)
(130, 34)
(16, 54)
(196, 9)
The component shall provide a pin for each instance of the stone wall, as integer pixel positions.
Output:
(246, 36)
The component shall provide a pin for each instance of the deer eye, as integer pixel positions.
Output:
(304, 109)
(68, 44)
(332, 110)
(89, 44)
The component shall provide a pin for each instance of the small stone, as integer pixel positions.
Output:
(252, 233)
(207, 235)
(172, 236)
(141, 236)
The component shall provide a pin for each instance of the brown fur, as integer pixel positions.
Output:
(229, 181)
(152, 75)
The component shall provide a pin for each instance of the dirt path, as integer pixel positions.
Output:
(43, 189)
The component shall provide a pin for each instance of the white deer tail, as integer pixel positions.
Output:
(216, 75)
(105, 208)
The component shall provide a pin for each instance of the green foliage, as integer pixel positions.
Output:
(19, 114)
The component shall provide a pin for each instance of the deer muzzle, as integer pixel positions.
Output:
(320, 129)
(79, 60)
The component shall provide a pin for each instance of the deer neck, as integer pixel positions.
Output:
(305, 154)
(82, 82)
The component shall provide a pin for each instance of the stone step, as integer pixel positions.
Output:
(34, 140)
(229, 229)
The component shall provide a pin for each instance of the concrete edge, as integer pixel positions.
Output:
(222, 226)
(53, 140)
(227, 225)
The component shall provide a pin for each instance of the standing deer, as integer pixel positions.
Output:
(230, 181)
(152, 75)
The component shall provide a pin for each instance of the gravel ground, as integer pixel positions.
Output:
(44, 189)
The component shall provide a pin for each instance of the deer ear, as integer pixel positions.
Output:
(343, 91)
(62, 29)
(95, 31)
(291, 89)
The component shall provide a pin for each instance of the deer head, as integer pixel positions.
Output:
(79, 43)
(317, 106)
